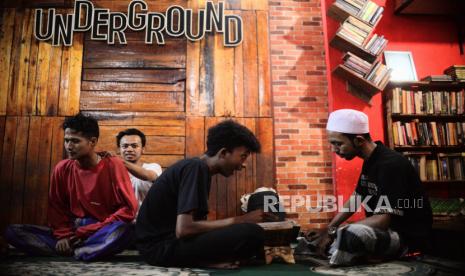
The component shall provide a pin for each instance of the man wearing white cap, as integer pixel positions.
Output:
(398, 214)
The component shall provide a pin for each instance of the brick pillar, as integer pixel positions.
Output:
(303, 160)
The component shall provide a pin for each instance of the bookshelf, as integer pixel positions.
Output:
(362, 69)
(441, 167)
(440, 161)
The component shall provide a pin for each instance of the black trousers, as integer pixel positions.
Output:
(232, 243)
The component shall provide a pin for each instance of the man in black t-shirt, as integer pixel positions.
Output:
(398, 213)
(171, 227)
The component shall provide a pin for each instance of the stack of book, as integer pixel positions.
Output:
(354, 31)
(353, 7)
(427, 102)
(438, 78)
(451, 166)
(457, 72)
(376, 44)
(371, 13)
(378, 74)
(424, 164)
(448, 166)
(357, 65)
(416, 133)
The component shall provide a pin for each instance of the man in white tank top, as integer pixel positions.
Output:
(131, 144)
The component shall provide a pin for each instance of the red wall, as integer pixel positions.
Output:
(433, 43)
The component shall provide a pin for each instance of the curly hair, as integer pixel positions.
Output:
(229, 134)
(87, 125)
(130, 131)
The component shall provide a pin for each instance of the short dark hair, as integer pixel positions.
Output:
(352, 136)
(130, 131)
(229, 134)
(87, 125)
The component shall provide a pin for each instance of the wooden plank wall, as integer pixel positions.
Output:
(37, 79)
(232, 83)
(39, 85)
(173, 93)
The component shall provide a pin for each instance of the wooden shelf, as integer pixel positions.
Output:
(344, 45)
(356, 84)
(434, 182)
(431, 148)
(368, 87)
(454, 224)
(429, 117)
(430, 86)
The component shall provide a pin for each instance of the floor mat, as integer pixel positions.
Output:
(127, 263)
(130, 263)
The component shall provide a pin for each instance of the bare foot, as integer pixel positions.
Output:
(225, 265)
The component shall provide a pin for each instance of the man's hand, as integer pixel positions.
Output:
(257, 216)
(75, 242)
(105, 154)
(63, 247)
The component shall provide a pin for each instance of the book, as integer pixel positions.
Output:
(438, 78)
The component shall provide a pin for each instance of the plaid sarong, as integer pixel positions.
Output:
(357, 240)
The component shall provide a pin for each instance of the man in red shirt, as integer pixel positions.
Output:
(91, 202)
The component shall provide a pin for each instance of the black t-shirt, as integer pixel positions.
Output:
(182, 188)
(391, 181)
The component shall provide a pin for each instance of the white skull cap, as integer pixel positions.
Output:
(348, 121)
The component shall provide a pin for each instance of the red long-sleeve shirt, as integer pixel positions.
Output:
(103, 192)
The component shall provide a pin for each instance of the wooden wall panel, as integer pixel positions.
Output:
(32, 145)
(264, 65)
(136, 55)
(6, 173)
(206, 100)
(71, 92)
(223, 76)
(16, 68)
(165, 133)
(153, 5)
(195, 136)
(132, 86)
(134, 75)
(249, 50)
(193, 78)
(32, 166)
(37, 3)
(173, 93)
(6, 44)
(42, 79)
(234, 4)
(239, 79)
(134, 101)
(231, 81)
(2, 133)
(265, 159)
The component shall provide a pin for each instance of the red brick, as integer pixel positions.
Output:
(297, 187)
(289, 158)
